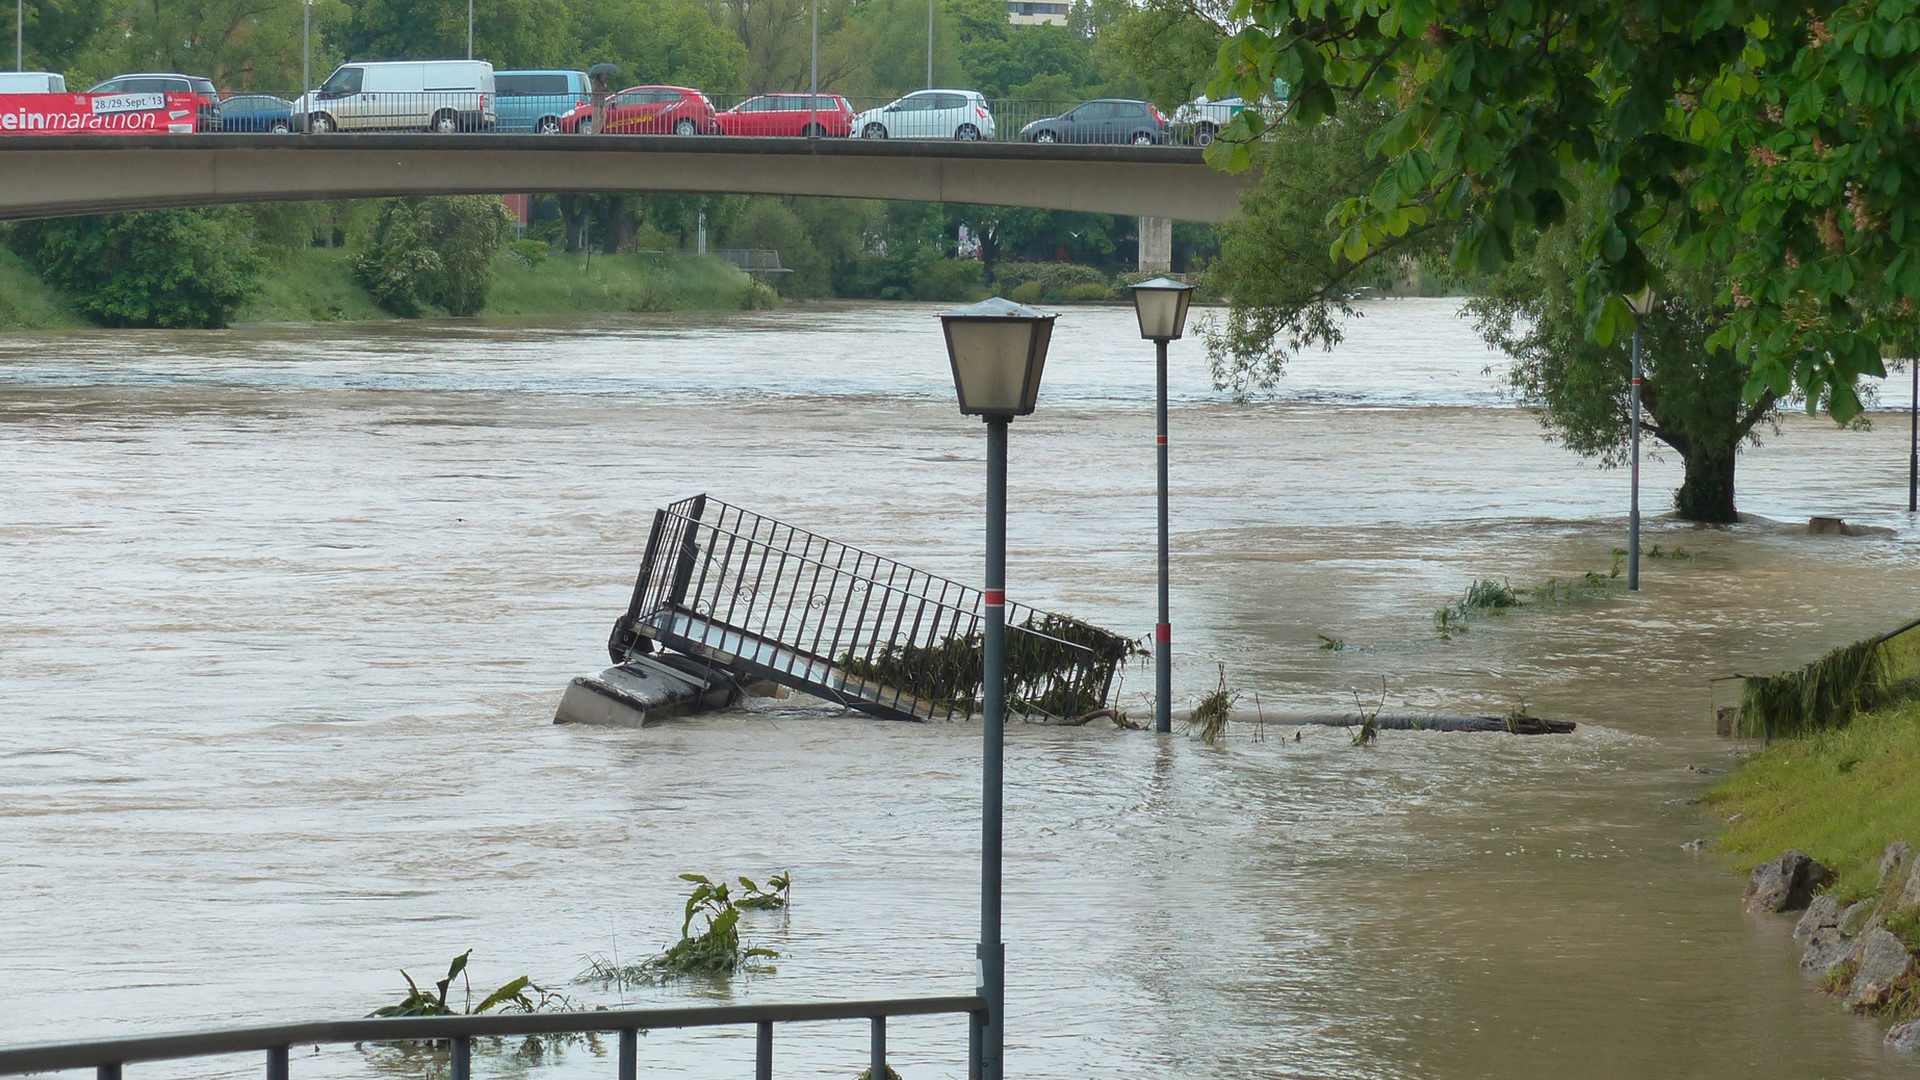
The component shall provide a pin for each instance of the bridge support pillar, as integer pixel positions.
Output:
(1156, 245)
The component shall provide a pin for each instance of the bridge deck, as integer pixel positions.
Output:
(58, 175)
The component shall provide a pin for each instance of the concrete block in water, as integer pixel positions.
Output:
(641, 692)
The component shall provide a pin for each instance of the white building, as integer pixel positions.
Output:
(1030, 12)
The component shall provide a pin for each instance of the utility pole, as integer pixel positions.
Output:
(306, 46)
(469, 29)
(20, 35)
(813, 78)
(929, 44)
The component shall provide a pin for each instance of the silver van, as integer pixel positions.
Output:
(32, 82)
(402, 95)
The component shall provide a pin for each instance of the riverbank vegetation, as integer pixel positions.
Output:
(716, 950)
(1841, 795)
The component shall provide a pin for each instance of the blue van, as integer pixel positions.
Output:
(534, 101)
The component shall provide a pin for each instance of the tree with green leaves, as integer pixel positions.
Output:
(1768, 137)
(434, 254)
(157, 268)
(1691, 392)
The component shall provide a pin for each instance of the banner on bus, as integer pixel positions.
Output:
(98, 114)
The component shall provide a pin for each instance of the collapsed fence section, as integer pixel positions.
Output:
(1829, 692)
(773, 601)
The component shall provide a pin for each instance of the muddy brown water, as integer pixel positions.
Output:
(285, 612)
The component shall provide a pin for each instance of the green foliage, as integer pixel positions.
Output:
(1825, 694)
(1330, 644)
(1770, 137)
(434, 254)
(158, 268)
(1794, 794)
(658, 41)
(1091, 292)
(27, 303)
(511, 995)
(1692, 394)
(1288, 292)
(530, 253)
(1213, 710)
(716, 950)
(1055, 666)
(309, 285)
(938, 278)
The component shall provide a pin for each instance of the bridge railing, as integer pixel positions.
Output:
(1004, 121)
(846, 624)
(109, 1057)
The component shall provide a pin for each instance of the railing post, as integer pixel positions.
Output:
(763, 1050)
(629, 1054)
(976, 1030)
(462, 1058)
(277, 1063)
(877, 1067)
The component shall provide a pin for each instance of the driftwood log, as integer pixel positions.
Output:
(1525, 725)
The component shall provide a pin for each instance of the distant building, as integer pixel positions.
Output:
(1030, 12)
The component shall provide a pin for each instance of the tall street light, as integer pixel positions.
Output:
(998, 349)
(1642, 305)
(20, 35)
(1913, 443)
(469, 29)
(929, 44)
(306, 46)
(1161, 305)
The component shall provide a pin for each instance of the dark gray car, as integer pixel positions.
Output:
(1114, 121)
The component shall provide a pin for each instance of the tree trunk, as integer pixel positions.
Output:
(576, 213)
(1706, 493)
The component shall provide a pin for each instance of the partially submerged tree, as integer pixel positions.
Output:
(1691, 392)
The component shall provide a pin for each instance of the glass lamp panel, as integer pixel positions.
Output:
(997, 349)
(1161, 305)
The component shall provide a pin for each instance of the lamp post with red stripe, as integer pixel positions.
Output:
(1161, 305)
(998, 349)
(1642, 305)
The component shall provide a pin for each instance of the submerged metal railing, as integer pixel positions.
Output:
(769, 600)
(108, 1057)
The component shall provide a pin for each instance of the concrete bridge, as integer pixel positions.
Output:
(62, 175)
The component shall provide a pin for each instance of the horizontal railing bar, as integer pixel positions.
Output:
(52, 1057)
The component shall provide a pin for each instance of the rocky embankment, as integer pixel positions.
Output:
(1862, 950)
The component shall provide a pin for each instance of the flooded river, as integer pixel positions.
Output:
(284, 614)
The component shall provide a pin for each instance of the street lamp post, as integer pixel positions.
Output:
(469, 29)
(1642, 305)
(1913, 440)
(1161, 305)
(306, 47)
(998, 349)
(929, 43)
(20, 35)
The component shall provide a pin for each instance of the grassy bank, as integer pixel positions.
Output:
(317, 285)
(1841, 796)
(27, 303)
(573, 284)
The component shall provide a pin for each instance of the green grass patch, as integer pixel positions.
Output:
(310, 285)
(563, 284)
(1840, 795)
(27, 303)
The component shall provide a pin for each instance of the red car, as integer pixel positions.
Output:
(793, 115)
(648, 110)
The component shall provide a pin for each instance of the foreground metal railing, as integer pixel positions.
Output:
(108, 1057)
(769, 600)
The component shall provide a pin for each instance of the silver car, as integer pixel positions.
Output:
(928, 114)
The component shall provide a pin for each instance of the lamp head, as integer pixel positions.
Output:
(998, 350)
(1642, 301)
(1161, 305)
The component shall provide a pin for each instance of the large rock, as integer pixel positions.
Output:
(1910, 895)
(1883, 960)
(1858, 919)
(1787, 883)
(1822, 914)
(1904, 1036)
(1825, 950)
(1895, 864)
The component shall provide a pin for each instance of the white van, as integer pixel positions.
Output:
(405, 95)
(32, 82)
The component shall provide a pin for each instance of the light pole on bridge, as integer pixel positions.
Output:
(469, 29)
(306, 46)
(20, 35)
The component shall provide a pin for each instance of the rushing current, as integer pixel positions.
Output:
(285, 612)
